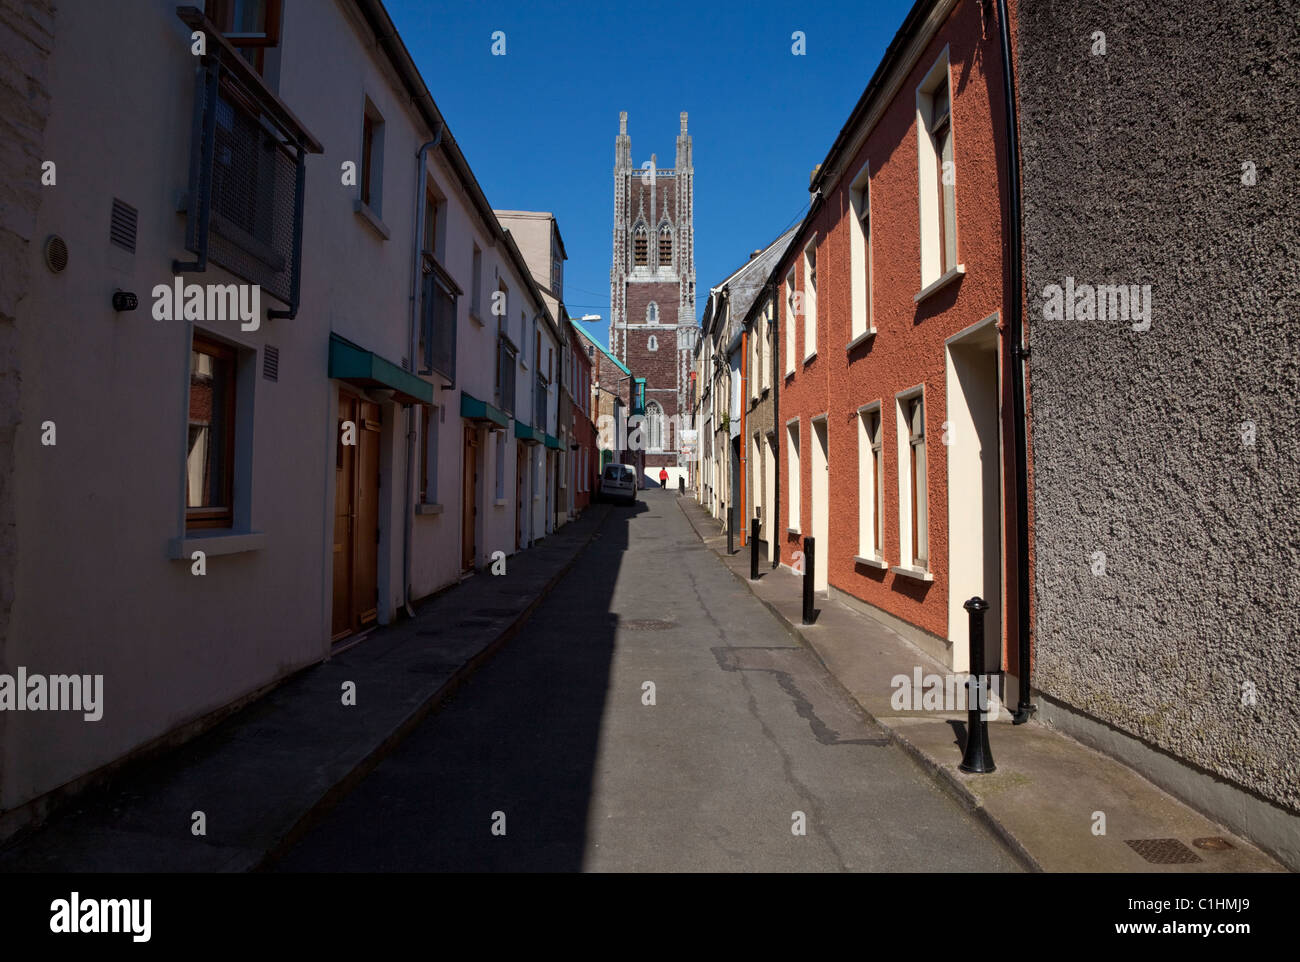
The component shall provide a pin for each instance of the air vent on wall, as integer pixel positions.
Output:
(56, 253)
(121, 228)
(271, 363)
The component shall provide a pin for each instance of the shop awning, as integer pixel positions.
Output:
(356, 365)
(473, 409)
(528, 434)
(552, 442)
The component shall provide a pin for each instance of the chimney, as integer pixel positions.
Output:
(755, 254)
(813, 176)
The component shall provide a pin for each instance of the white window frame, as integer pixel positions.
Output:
(863, 321)
(500, 455)
(934, 274)
(871, 486)
(476, 294)
(810, 301)
(794, 495)
(791, 335)
(912, 564)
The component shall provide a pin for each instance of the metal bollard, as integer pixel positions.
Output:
(978, 759)
(809, 572)
(731, 530)
(753, 550)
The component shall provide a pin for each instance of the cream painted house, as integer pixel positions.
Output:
(217, 489)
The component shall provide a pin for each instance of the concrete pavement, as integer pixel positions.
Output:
(1048, 789)
(551, 759)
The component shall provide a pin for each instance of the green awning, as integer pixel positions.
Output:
(527, 433)
(552, 442)
(356, 365)
(476, 410)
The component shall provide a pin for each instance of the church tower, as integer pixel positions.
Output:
(652, 325)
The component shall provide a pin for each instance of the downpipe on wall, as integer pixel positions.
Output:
(408, 523)
(1019, 353)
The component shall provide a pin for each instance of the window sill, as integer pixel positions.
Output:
(499, 503)
(473, 316)
(370, 217)
(941, 283)
(919, 574)
(213, 542)
(871, 562)
(860, 340)
(807, 359)
(792, 531)
(426, 507)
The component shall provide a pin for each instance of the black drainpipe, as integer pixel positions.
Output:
(1019, 354)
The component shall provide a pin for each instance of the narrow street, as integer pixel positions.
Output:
(746, 730)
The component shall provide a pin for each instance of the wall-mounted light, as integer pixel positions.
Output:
(125, 301)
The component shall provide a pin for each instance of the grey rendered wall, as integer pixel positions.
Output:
(1133, 173)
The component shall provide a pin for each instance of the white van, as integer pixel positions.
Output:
(618, 483)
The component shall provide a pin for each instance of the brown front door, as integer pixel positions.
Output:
(356, 516)
(469, 514)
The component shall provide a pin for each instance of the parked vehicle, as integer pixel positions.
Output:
(618, 483)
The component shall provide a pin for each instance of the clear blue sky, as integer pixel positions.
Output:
(538, 124)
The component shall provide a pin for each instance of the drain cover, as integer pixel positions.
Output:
(646, 624)
(1163, 851)
(1212, 844)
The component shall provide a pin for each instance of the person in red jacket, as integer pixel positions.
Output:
(663, 477)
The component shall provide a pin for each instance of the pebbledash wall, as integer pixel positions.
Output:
(1170, 453)
(910, 348)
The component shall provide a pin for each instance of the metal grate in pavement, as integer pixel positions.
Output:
(1163, 851)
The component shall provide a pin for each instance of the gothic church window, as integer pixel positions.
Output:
(652, 344)
(654, 416)
(652, 313)
(665, 246)
(640, 248)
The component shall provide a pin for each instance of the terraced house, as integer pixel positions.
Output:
(280, 372)
(896, 413)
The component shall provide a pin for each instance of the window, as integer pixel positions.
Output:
(429, 463)
(640, 248)
(791, 311)
(501, 465)
(810, 300)
(937, 175)
(251, 25)
(792, 487)
(913, 515)
(654, 416)
(475, 304)
(860, 253)
(557, 277)
(652, 313)
(665, 246)
(768, 345)
(372, 159)
(210, 459)
(871, 484)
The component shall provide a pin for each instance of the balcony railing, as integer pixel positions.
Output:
(506, 354)
(247, 174)
(438, 319)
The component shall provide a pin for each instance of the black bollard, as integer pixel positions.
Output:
(753, 550)
(978, 759)
(681, 484)
(731, 530)
(809, 572)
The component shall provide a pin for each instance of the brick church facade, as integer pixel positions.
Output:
(653, 328)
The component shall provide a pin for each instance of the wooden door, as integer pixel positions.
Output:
(469, 500)
(356, 516)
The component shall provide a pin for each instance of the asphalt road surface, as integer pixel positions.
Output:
(549, 758)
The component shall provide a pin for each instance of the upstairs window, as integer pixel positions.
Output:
(652, 313)
(665, 246)
(251, 25)
(209, 465)
(372, 159)
(810, 300)
(640, 246)
(937, 176)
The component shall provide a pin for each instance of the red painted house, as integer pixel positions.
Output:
(583, 457)
(895, 430)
